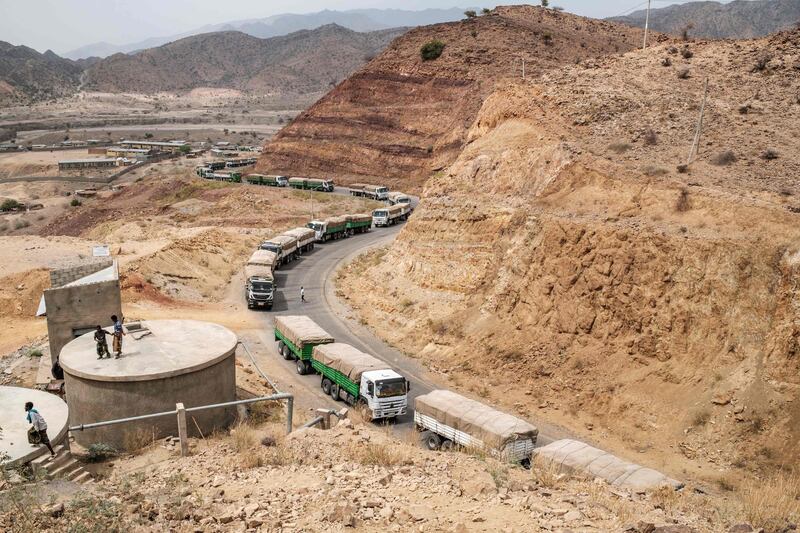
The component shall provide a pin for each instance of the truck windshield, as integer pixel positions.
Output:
(390, 387)
(262, 286)
(316, 226)
(274, 248)
(382, 189)
(379, 213)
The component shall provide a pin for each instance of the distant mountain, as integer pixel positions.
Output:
(304, 62)
(362, 20)
(740, 19)
(27, 76)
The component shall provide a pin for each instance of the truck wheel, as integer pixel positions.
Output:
(430, 440)
(335, 392)
(447, 445)
(326, 385)
(302, 369)
(285, 351)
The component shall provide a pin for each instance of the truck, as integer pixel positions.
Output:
(376, 192)
(358, 223)
(306, 237)
(284, 246)
(232, 177)
(216, 165)
(446, 419)
(311, 184)
(330, 228)
(296, 337)
(396, 197)
(243, 162)
(259, 286)
(270, 181)
(356, 377)
(390, 215)
(264, 258)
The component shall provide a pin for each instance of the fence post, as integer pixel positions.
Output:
(326, 418)
(289, 414)
(182, 433)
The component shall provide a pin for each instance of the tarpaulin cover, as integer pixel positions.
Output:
(348, 360)
(263, 258)
(301, 330)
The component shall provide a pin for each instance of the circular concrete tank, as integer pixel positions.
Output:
(163, 362)
(14, 447)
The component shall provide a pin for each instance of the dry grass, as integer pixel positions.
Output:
(665, 498)
(136, 440)
(682, 204)
(774, 503)
(701, 418)
(377, 454)
(624, 509)
(547, 475)
(724, 158)
(619, 148)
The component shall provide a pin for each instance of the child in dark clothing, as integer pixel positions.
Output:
(102, 345)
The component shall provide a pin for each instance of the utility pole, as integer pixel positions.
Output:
(523, 68)
(646, 24)
(698, 131)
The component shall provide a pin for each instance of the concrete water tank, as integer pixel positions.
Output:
(163, 362)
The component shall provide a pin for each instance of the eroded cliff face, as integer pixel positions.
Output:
(649, 313)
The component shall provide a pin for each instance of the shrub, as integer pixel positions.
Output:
(34, 352)
(683, 74)
(682, 203)
(432, 50)
(686, 53)
(486, 11)
(619, 148)
(762, 61)
(470, 13)
(100, 451)
(10, 205)
(545, 3)
(685, 31)
(666, 62)
(701, 418)
(75, 202)
(724, 158)
(773, 503)
(769, 154)
(650, 137)
(21, 223)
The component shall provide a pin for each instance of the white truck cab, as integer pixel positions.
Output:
(319, 228)
(385, 392)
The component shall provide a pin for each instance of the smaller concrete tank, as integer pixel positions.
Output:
(163, 362)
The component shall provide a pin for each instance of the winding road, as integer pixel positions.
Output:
(314, 271)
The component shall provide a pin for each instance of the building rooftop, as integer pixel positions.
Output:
(152, 349)
(98, 160)
(14, 433)
(156, 143)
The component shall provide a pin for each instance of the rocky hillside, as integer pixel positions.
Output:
(572, 264)
(402, 118)
(740, 19)
(28, 76)
(300, 63)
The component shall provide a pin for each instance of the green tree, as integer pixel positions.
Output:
(432, 50)
(470, 14)
(10, 205)
(148, 135)
(185, 149)
(486, 10)
(545, 3)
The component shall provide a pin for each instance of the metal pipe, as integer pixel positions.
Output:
(263, 375)
(313, 422)
(281, 396)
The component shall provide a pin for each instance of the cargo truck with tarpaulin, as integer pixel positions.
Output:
(311, 184)
(390, 215)
(366, 190)
(259, 282)
(329, 229)
(356, 377)
(269, 181)
(296, 337)
(358, 223)
(284, 246)
(306, 237)
(445, 419)
(396, 197)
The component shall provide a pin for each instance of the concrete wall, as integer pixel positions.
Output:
(96, 401)
(62, 276)
(79, 307)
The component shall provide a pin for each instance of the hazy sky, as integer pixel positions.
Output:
(63, 25)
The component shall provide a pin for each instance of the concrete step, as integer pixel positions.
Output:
(84, 477)
(63, 469)
(57, 461)
(75, 472)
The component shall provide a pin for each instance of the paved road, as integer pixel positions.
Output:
(314, 271)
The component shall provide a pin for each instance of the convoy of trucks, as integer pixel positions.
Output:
(306, 237)
(270, 181)
(376, 192)
(347, 374)
(311, 184)
(284, 246)
(391, 215)
(446, 419)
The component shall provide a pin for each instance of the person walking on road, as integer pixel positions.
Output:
(38, 432)
(118, 333)
(302, 294)
(102, 345)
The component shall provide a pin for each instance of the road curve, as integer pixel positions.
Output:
(314, 272)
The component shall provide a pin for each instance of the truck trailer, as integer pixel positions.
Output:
(306, 237)
(284, 246)
(259, 286)
(445, 419)
(269, 181)
(296, 337)
(356, 377)
(391, 215)
(311, 184)
(376, 192)
(358, 223)
(264, 258)
(330, 228)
